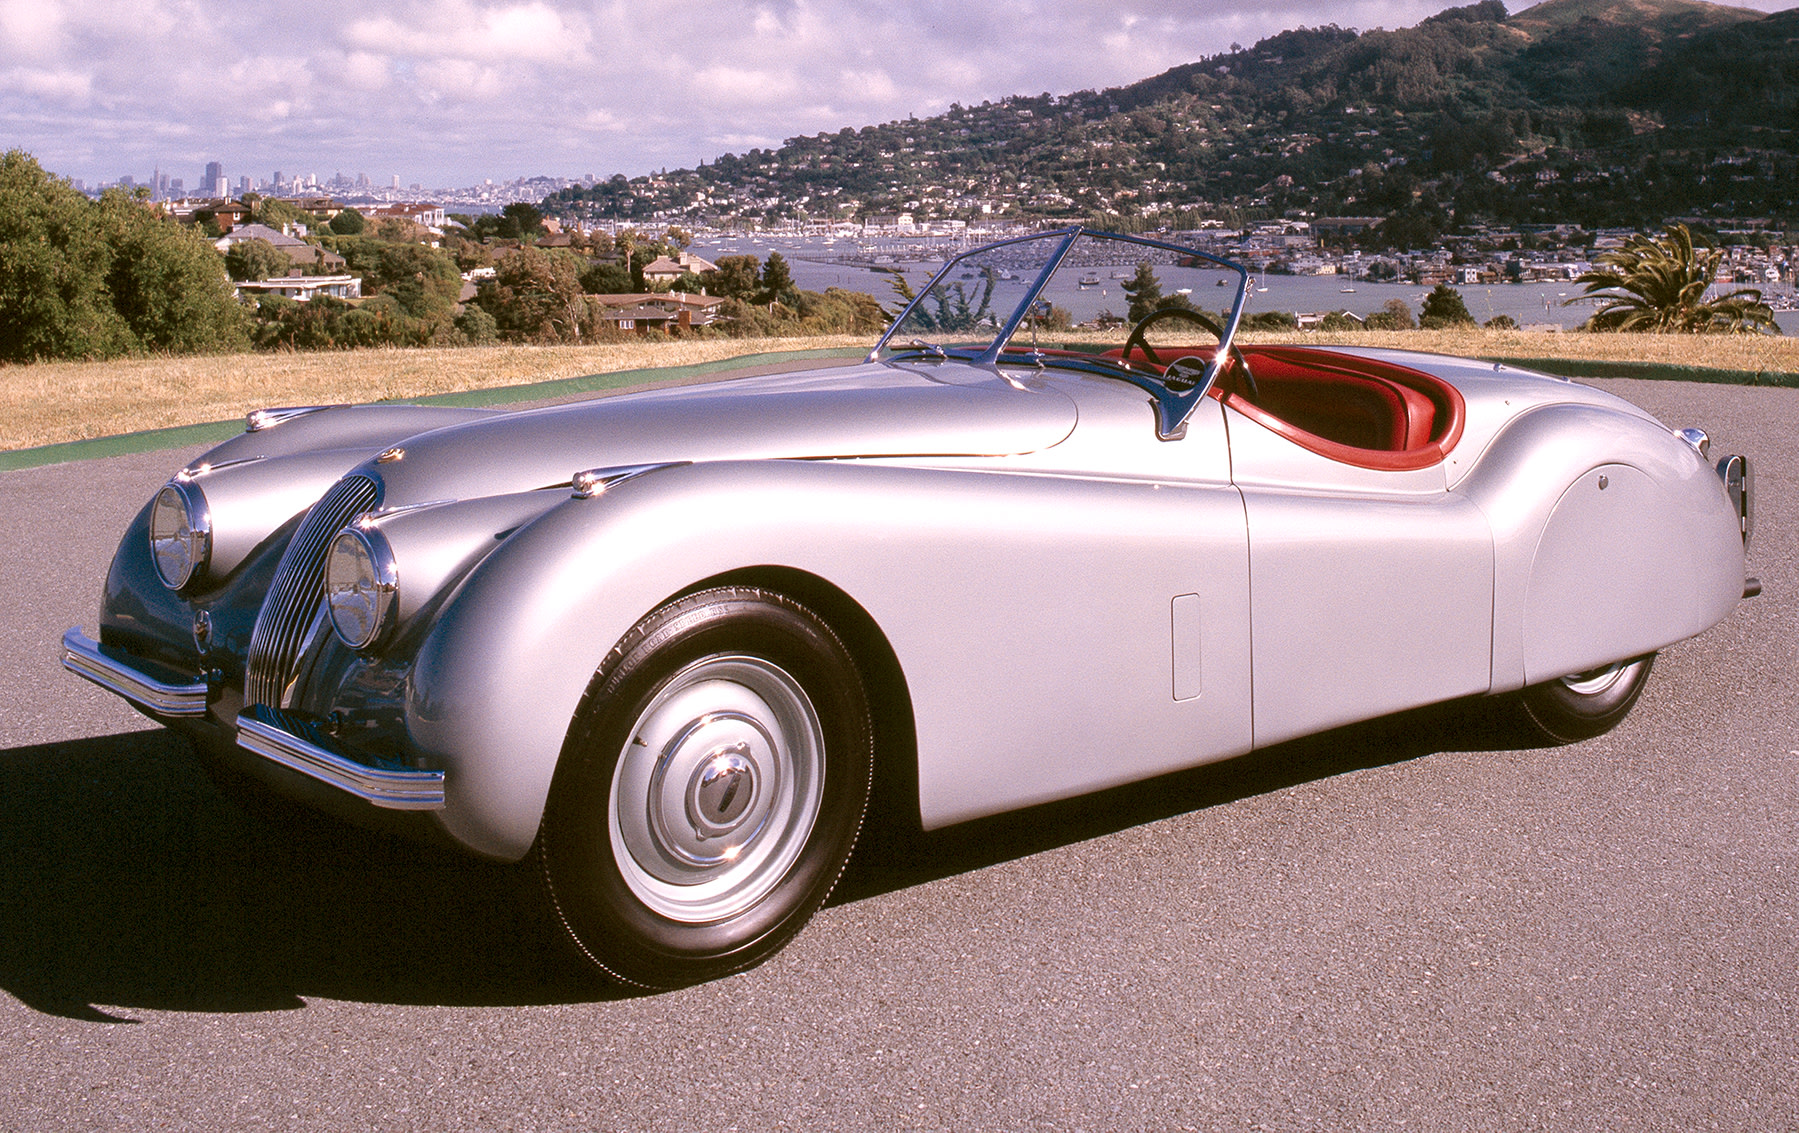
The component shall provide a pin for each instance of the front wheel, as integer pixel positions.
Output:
(710, 791)
(1585, 705)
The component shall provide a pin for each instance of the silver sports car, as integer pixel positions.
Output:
(663, 642)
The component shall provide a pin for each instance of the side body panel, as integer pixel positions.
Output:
(1371, 591)
(1033, 617)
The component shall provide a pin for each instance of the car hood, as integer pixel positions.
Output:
(869, 410)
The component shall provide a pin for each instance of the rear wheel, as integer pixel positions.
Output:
(1585, 705)
(711, 788)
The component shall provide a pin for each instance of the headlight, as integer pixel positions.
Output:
(180, 533)
(362, 587)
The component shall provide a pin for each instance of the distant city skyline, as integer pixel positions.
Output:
(452, 93)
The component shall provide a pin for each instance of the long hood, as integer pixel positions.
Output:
(945, 409)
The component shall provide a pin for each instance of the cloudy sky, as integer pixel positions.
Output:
(451, 92)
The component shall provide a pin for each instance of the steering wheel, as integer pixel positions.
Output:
(1139, 339)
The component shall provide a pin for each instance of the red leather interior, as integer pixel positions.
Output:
(1355, 410)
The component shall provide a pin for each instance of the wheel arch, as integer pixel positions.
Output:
(890, 699)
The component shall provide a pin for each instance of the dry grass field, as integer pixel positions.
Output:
(53, 402)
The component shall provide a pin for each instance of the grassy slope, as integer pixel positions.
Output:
(56, 402)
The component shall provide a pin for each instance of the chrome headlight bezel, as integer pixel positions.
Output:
(180, 534)
(362, 586)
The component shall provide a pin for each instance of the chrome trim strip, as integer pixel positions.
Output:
(261, 731)
(595, 481)
(257, 420)
(82, 656)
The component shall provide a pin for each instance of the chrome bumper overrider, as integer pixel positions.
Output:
(274, 735)
(134, 680)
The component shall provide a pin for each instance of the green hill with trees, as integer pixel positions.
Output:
(1600, 113)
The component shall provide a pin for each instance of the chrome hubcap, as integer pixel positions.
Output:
(721, 792)
(717, 789)
(1595, 681)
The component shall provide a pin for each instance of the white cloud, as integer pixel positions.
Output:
(30, 28)
(366, 70)
(458, 80)
(523, 32)
(740, 87)
(61, 86)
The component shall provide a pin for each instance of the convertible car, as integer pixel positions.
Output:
(665, 644)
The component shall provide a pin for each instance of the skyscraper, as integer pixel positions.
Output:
(213, 184)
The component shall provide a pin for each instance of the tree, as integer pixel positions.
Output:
(1145, 292)
(520, 221)
(256, 259)
(535, 297)
(777, 282)
(97, 279)
(168, 283)
(53, 262)
(423, 281)
(1393, 315)
(1659, 283)
(736, 277)
(605, 278)
(349, 222)
(276, 213)
(1271, 320)
(1443, 308)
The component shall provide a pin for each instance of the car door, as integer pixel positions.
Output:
(1371, 590)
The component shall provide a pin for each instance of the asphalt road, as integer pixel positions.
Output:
(1407, 924)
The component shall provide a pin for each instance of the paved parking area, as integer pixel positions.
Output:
(1410, 924)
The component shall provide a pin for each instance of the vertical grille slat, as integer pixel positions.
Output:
(298, 588)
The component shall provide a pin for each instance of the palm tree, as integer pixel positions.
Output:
(1658, 283)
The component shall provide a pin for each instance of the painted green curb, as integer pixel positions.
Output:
(123, 445)
(213, 432)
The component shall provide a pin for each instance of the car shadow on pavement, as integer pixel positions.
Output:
(893, 854)
(127, 879)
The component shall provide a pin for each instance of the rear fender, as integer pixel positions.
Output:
(1612, 538)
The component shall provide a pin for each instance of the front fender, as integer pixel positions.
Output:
(1033, 619)
(500, 674)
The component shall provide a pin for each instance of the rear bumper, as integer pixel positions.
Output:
(277, 737)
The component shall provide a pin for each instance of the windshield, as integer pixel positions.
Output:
(1159, 315)
(1083, 287)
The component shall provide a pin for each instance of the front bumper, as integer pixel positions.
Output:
(157, 691)
(276, 736)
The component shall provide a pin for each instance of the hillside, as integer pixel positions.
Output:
(1591, 112)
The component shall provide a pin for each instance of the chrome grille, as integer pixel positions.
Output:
(299, 586)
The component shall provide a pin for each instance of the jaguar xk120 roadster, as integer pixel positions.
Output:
(663, 642)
